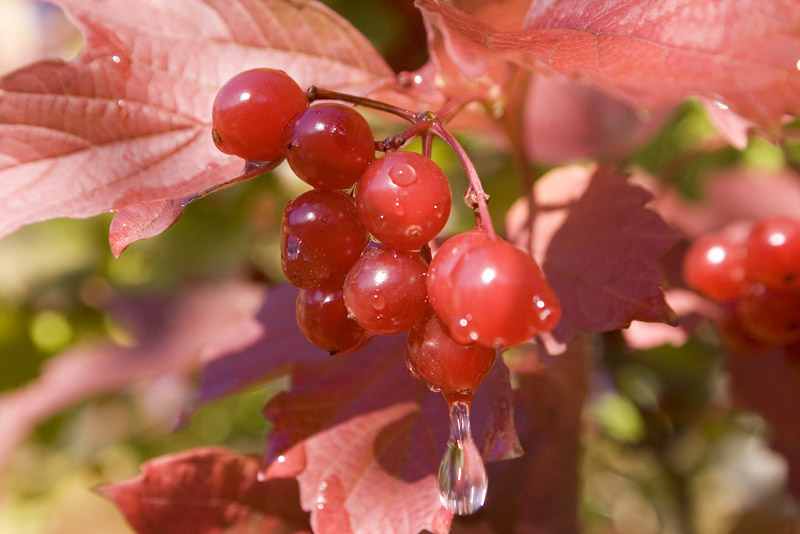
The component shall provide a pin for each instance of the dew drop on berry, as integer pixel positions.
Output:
(378, 302)
(292, 248)
(403, 174)
(398, 208)
(462, 475)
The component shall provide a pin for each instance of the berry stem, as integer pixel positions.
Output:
(315, 93)
(475, 190)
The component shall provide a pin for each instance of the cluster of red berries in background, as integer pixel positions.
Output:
(757, 278)
(357, 243)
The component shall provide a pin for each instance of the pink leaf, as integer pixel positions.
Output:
(207, 491)
(741, 53)
(729, 196)
(172, 333)
(566, 121)
(372, 439)
(128, 121)
(598, 245)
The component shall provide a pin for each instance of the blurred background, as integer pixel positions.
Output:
(664, 451)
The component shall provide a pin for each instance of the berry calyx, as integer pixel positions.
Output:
(321, 237)
(404, 199)
(329, 146)
(251, 110)
(385, 290)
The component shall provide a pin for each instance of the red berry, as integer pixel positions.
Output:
(321, 237)
(440, 272)
(714, 265)
(329, 146)
(769, 315)
(251, 110)
(736, 338)
(438, 359)
(773, 253)
(499, 297)
(385, 290)
(323, 319)
(403, 199)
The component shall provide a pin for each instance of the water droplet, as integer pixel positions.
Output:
(412, 370)
(377, 301)
(123, 109)
(398, 208)
(322, 500)
(403, 174)
(462, 475)
(116, 59)
(261, 476)
(293, 246)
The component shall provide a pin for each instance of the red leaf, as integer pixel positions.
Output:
(128, 121)
(207, 491)
(172, 332)
(598, 246)
(690, 309)
(741, 53)
(768, 383)
(247, 353)
(372, 439)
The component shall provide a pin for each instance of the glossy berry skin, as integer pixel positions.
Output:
(773, 253)
(321, 237)
(251, 110)
(435, 357)
(385, 290)
(323, 319)
(770, 316)
(715, 266)
(499, 297)
(440, 272)
(403, 198)
(329, 146)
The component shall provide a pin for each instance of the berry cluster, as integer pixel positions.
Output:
(357, 243)
(758, 280)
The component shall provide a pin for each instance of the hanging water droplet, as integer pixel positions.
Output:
(462, 475)
(261, 476)
(398, 208)
(403, 174)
